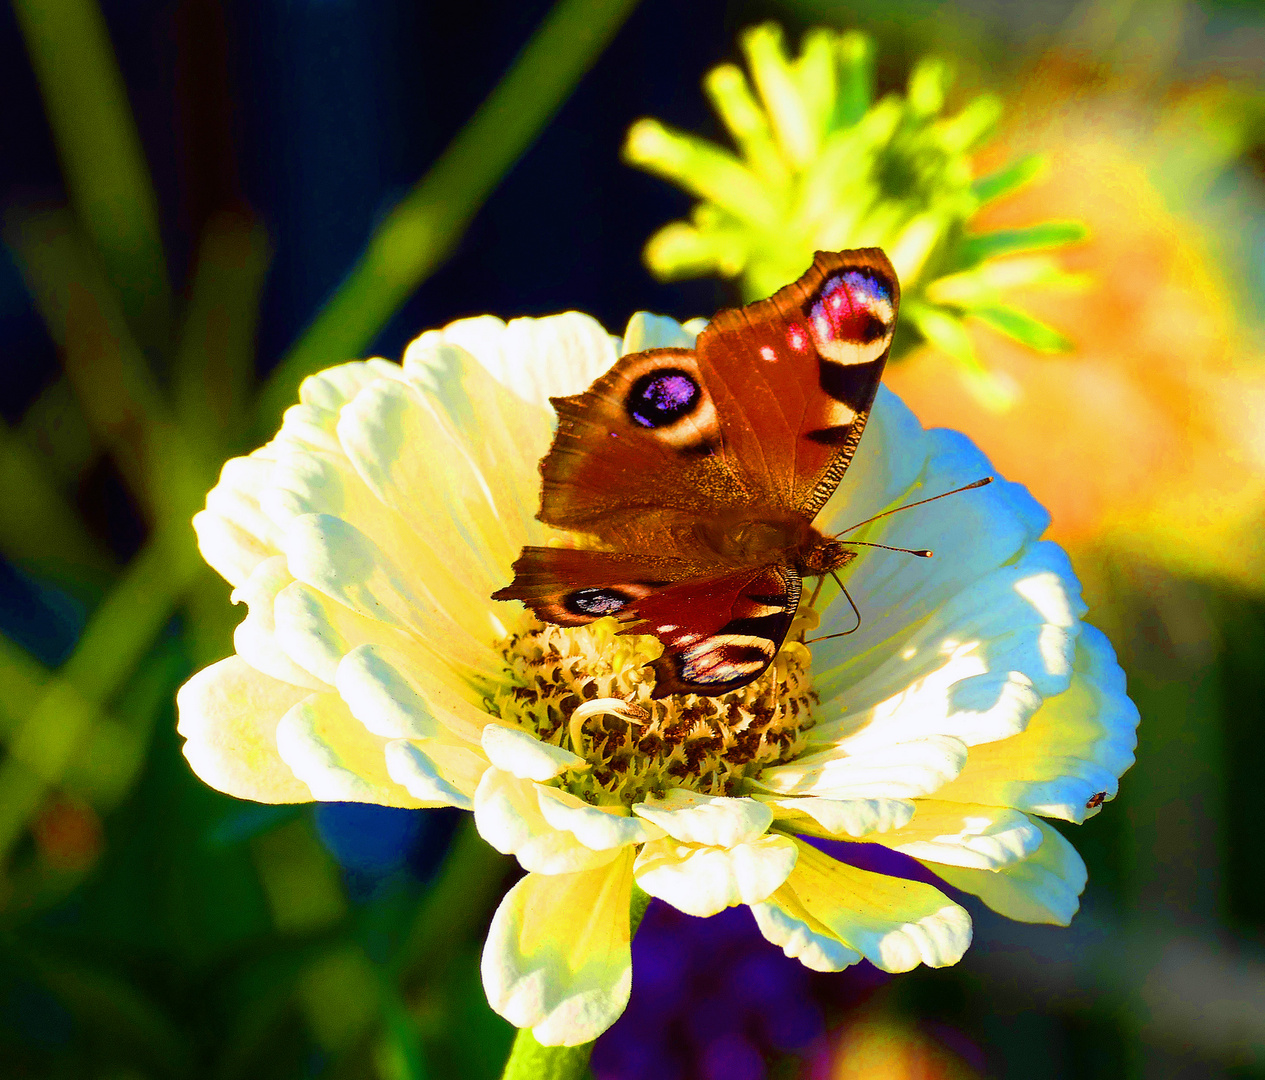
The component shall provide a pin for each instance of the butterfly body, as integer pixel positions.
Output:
(698, 473)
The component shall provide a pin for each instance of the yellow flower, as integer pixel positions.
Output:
(367, 538)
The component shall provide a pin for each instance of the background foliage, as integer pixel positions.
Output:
(204, 200)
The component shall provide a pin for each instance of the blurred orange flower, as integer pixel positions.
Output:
(1150, 436)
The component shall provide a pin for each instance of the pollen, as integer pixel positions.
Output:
(645, 747)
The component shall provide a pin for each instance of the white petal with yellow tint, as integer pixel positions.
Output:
(317, 632)
(234, 534)
(327, 391)
(537, 358)
(979, 667)
(900, 771)
(557, 958)
(525, 756)
(785, 922)
(339, 560)
(330, 751)
(507, 815)
(972, 534)
(410, 766)
(645, 331)
(1075, 746)
(839, 817)
(255, 637)
(597, 827)
(1044, 888)
(982, 837)
(702, 880)
(895, 924)
(694, 818)
(228, 716)
(398, 699)
(411, 459)
(505, 436)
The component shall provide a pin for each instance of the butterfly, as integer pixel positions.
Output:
(698, 473)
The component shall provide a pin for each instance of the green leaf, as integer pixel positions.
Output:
(1022, 327)
(1048, 234)
(1013, 177)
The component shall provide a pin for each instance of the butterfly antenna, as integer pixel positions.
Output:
(922, 553)
(855, 611)
(909, 506)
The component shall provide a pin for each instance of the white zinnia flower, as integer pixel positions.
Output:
(367, 538)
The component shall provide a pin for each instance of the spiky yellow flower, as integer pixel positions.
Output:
(366, 540)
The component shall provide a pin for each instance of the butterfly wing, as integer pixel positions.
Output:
(761, 419)
(793, 377)
(673, 448)
(719, 631)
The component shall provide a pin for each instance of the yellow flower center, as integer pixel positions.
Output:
(707, 744)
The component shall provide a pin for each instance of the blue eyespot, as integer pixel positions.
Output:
(663, 397)
(595, 602)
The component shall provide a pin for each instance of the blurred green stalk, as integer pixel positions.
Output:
(101, 157)
(425, 226)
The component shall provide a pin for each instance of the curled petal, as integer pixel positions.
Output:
(1044, 888)
(525, 756)
(704, 880)
(596, 827)
(707, 819)
(413, 768)
(255, 638)
(229, 714)
(330, 751)
(958, 834)
(397, 698)
(899, 771)
(557, 958)
(1075, 747)
(895, 924)
(234, 534)
(784, 921)
(507, 815)
(840, 817)
(979, 667)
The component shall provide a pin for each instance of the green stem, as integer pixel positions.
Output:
(529, 1060)
(102, 160)
(424, 227)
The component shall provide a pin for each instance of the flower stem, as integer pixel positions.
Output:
(529, 1060)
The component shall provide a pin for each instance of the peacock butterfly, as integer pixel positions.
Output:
(699, 472)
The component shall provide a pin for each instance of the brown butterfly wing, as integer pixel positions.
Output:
(760, 420)
(793, 378)
(719, 631)
(638, 458)
(672, 447)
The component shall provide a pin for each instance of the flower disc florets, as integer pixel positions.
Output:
(649, 747)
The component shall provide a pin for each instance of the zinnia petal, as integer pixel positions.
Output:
(557, 958)
(702, 880)
(1043, 888)
(332, 753)
(228, 716)
(895, 924)
(508, 816)
(1075, 746)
